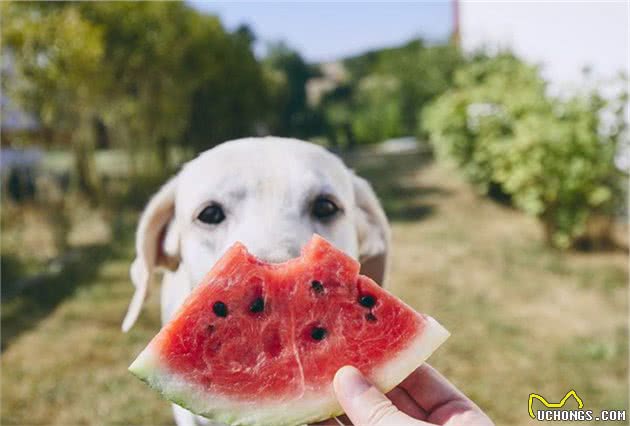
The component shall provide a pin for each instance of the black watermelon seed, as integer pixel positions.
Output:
(370, 317)
(367, 301)
(317, 286)
(210, 328)
(318, 333)
(257, 305)
(220, 309)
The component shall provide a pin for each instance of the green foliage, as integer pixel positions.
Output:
(154, 75)
(180, 78)
(146, 44)
(289, 74)
(160, 77)
(469, 122)
(550, 155)
(423, 72)
(379, 112)
(231, 96)
(560, 169)
(388, 87)
(57, 57)
(57, 54)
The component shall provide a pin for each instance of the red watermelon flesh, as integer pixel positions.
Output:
(259, 343)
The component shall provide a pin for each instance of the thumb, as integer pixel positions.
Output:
(364, 404)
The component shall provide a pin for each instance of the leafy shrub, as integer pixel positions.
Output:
(551, 156)
(559, 168)
(380, 92)
(468, 122)
(377, 115)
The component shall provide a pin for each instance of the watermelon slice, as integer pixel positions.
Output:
(259, 343)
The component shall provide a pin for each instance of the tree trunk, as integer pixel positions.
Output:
(549, 232)
(163, 154)
(351, 141)
(549, 227)
(86, 175)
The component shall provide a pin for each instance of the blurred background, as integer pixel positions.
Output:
(494, 133)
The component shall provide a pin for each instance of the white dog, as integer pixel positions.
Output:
(271, 194)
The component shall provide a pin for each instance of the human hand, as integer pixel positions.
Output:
(422, 399)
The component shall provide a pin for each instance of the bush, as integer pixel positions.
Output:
(377, 115)
(470, 121)
(559, 168)
(551, 156)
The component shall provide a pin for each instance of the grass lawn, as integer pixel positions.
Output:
(523, 318)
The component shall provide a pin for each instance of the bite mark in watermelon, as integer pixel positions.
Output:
(259, 343)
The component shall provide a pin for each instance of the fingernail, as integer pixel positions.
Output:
(350, 382)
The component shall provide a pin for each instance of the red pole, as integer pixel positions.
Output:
(455, 36)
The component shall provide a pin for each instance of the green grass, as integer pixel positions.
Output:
(523, 318)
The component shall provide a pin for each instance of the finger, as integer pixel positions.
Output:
(335, 421)
(449, 417)
(441, 400)
(364, 404)
(430, 389)
(401, 399)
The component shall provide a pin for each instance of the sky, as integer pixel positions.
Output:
(562, 36)
(324, 31)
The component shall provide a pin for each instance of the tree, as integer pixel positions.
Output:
(488, 94)
(152, 75)
(295, 117)
(378, 109)
(148, 54)
(552, 156)
(423, 72)
(181, 78)
(387, 88)
(230, 98)
(57, 57)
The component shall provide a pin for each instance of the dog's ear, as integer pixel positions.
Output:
(157, 245)
(373, 231)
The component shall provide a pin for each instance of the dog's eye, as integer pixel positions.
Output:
(212, 214)
(324, 208)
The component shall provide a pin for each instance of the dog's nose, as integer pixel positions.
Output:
(277, 254)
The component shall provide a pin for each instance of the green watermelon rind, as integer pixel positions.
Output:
(307, 408)
(393, 372)
(148, 369)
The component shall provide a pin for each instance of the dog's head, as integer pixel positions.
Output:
(271, 194)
